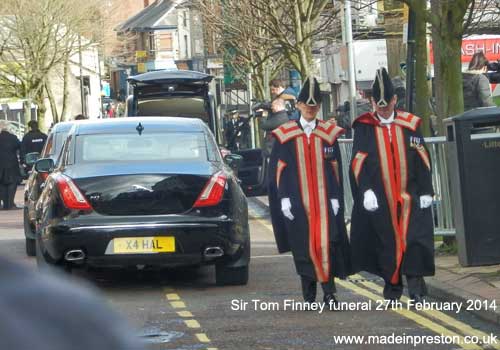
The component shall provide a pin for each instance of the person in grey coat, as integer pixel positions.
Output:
(276, 118)
(476, 86)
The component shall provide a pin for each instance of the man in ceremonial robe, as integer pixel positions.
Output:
(392, 228)
(305, 193)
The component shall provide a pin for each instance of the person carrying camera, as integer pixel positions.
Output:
(288, 96)
(277, 117)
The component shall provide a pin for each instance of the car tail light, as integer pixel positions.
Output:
(212, 192)
(71, 195)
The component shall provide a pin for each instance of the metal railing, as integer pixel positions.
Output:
(442, 210)
(17, 128)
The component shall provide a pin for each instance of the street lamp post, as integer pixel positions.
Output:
(80, 64)
(350, 54)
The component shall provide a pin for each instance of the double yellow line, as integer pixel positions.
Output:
(180, 306)
(374, 292)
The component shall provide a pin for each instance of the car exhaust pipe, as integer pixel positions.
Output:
(213, 252)
(74, 255)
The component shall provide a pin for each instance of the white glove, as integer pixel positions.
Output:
(370, 201)
(285, 208)
(335, 206)
(425, 201)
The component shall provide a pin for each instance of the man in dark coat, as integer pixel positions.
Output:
(392, 229)
(9, 166)
(306, 197)
(277, 117)
(33, 141)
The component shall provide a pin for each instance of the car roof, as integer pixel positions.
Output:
(130, 124)
(62, 127)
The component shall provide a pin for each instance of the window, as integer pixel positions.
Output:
(186, 45)
(152, 43)
(47, 150)
(166, 146)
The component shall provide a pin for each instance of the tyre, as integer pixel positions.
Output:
(30, 247)
(28, 232)
(231, 276)
(44, 265)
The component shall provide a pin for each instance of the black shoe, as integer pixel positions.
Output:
(331, 301)
(309, 299)
(417, 299)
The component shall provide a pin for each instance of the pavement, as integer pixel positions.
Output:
(476, 287)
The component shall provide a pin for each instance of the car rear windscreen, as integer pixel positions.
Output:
(168, 146)
(186, 107)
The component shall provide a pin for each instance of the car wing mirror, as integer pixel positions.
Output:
(234, 161)
(31, 158)
(44, 165)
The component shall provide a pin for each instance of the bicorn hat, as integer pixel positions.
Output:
(382, 88)
(310, 94)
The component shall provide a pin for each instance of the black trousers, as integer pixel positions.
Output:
(309, 287)
(416, 286)
(7, 194)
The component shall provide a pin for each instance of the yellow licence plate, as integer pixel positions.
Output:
(143, 245)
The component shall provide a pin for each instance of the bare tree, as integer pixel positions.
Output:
(449, 21)
(247, 46)
(40, 36)
(296, 25)
(483, 17)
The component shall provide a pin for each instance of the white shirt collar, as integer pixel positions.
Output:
(389, 120)
(304, 123)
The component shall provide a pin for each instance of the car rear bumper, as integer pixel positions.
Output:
(191, 242)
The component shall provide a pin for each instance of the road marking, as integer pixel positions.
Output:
(271, 256)
(263, 223)
(202, 337)
(185, 314)
(424, 322)
(178, 304)
(192, 323)
(438, 315)
(173, 296)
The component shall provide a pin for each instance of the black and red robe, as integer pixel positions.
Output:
(397, 238)
(308, 172)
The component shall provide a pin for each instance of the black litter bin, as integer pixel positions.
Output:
(473, 157)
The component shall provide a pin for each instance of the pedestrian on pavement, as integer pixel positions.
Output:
(476, 86)
(278, 91)
(9, 166)
(392, 232)
(32, 142)
(49, 312)
(277, 117)
(307, 205)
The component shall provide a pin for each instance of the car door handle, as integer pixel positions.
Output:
(42, 186)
